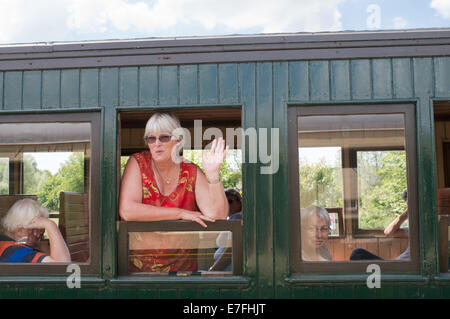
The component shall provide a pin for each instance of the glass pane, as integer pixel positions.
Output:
(193, 252)
(381, 183)
(50, 165)
(352, 176)
(123, 163)
(4, 176)
(320, 176)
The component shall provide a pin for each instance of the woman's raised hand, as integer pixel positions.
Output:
(212, 161)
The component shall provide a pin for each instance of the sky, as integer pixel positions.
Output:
(50, 161)
(30, 21)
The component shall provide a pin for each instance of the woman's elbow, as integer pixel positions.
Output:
(214, 213)
(221, 213)
(124, 212)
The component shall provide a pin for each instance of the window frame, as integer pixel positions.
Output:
(185, 113)
(234, 226)
(409, 115)
(93, 266)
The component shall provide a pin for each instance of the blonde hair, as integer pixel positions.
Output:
(163, 122)
(22, 213)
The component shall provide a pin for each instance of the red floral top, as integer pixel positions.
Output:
(182, 197)
(165, 260)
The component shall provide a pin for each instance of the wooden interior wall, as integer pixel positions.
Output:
(386, 248)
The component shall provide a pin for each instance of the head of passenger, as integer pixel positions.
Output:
(405, 195)
(164, 137)
(315, 226)
(19, 216)
(234, 201)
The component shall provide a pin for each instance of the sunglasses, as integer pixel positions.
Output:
(161, 138)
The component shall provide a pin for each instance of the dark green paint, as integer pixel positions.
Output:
(32, 89)
(89, 88)
(361, 79)
(168, 85)
(319, 78)
(70, 88)
(51, 89)
(298, 81)
(128, 86)
(13, 90)
(208, 84)
(340, 80)
(148, 85)
(189, 84)
(382, 78)
(402, 78)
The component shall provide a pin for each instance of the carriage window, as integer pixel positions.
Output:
(50, 174)
(179, 247)
(353, 187)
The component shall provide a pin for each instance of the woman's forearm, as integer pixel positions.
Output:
(133, 211)
(395, 225)
(58, 248)
(217, 206)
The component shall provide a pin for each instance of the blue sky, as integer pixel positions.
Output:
(28, 21)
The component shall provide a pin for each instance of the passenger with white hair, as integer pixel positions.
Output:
(24, 225)
(158, 184)
(315, 226)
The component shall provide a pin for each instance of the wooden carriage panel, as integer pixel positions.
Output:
(74, 224)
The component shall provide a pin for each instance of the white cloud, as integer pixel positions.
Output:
(28, 20)
(442, 7)
(49, 20)
(400, 23)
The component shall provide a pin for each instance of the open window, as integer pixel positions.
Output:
(221, 241)
(358, 164)
(50, 158)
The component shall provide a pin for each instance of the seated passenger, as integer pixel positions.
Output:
(222, 256)
(24, 225)
(315, 223)
(392, 230)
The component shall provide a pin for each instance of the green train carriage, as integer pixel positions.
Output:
(355, 93)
